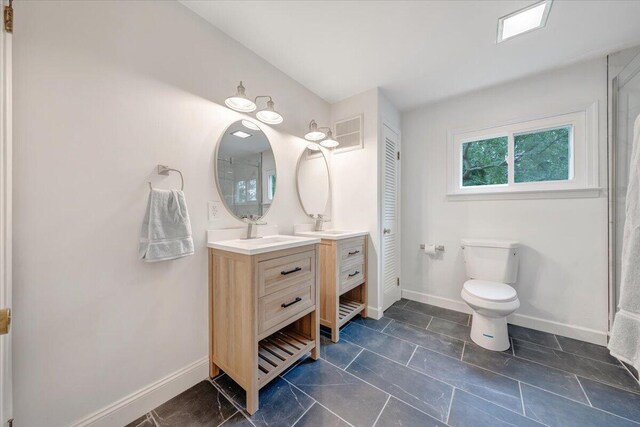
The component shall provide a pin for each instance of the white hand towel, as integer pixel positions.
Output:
(625, 335)
(166, 229)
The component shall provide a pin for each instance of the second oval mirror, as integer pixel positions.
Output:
(314, 185)
(246, 170)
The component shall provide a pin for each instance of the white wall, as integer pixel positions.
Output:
(105, 91)
(562, 283)
(355, 179)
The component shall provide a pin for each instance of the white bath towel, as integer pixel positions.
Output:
(166, 229)
(625, 335)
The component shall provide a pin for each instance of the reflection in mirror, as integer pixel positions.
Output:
(314, 188)
(246, 170)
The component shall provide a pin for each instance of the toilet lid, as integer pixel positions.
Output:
(490, 291)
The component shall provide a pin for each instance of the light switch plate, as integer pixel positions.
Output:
(214, 210)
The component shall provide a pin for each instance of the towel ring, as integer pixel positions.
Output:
(164, 170)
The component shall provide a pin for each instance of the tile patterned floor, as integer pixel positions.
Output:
(418, 367)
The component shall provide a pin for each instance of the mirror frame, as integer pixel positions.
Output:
(215, 169)
(328, 204)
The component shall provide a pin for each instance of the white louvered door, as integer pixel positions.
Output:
(390, 219)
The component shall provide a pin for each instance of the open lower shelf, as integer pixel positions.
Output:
(348, 309)
(279, 351)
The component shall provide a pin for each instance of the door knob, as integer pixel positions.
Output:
(387, 231)
(5, 320)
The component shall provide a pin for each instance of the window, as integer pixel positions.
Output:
(542, 155)
(252, 190)
(271, 187)
(241, 191)
(550, 154)
(484, 162)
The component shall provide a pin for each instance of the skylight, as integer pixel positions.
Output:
(525, 20)
(241, 134)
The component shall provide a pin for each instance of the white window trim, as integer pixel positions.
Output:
(585, 173)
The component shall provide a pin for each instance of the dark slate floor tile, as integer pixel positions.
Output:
(238, 420)
(588, 368)
(144, 421)
(468, 410)
(380, 343)
(369, 322)
(401, 303)
(344, 394)
(531, 335)
(442, 313)
(339, 353)
(554, 380)
(320, 416)
(281, 404)
(412, 317)
(553, 410)
(586, 349)
(399, 414)
(378, 325)
(496, 388)
(451, 329)
(201, 405)
(431, 340)
(633, 371)
(427, 394)
(611, 399)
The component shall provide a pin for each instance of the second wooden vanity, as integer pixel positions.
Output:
(343, 277)
(262, 307)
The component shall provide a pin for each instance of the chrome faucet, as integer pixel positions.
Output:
(319, 222)
(252, 222)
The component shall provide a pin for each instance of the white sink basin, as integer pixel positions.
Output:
(332, 234)
(263, 244)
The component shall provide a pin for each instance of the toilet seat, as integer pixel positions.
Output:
(493, 299)
(490, 291)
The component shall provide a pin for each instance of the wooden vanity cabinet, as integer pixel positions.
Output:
(262, 314)
(343, 282)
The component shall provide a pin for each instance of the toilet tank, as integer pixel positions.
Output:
(493, 260)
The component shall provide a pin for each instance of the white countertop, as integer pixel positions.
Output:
(262, 244)
(332, 234)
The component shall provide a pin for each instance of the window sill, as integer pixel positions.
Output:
(573, 193)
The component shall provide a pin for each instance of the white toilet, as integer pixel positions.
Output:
(491, 265)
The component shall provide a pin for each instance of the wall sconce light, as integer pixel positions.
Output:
(242, 103)
(317, 135)
(314, 133)
(329, 142)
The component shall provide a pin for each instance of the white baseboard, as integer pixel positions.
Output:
(374, 313)
(451, 304)
(136, 404)
(553, 327)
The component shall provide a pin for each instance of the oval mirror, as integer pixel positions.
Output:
(313, 182)
(246, 170)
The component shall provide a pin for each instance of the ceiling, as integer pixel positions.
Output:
(417, 51)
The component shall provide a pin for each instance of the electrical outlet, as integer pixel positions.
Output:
(214, 208)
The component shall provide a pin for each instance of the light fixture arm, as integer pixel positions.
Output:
(262, 96)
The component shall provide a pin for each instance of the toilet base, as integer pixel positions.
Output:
(490, 332)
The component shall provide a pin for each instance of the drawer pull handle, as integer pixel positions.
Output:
(298, 299)
(354, 252)
(284, 273)
(354, 274)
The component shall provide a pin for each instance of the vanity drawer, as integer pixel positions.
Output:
(280, 306)
(280, 273)
(351, 275)
(351, 251)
